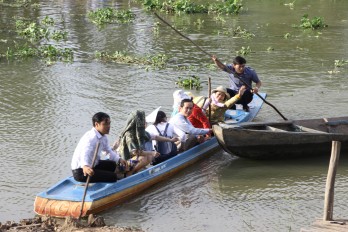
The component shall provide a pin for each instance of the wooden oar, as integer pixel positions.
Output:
(89, 178)
(209, 95)
(246, 84)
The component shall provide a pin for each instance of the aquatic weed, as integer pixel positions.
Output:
(291, 5)
(226, 7)
(244, 51)
(340, 63)
(315, 23)
(192, 82)
(243, 33)
(109, 15)
(157, 61)
(188, 7)
(31, 30)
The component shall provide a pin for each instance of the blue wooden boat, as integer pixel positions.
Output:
(65, 198)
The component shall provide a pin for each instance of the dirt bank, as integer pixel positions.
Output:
(48, 224)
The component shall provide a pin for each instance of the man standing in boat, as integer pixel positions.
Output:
(238, 73)
(103, 170)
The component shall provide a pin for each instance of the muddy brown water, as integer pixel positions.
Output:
(44, 110)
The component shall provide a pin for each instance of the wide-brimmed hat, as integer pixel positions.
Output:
(199, 101)
(222, 90)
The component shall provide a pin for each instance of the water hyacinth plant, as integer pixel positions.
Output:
(49, 53)
(36, 35)
(188, 7)
(158, 61)
(31, 30)
(192, 82)
(110, 15)
(340, 63)
(315, 23)
(242, 33)
(244, 51)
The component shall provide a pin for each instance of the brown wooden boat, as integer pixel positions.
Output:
(283, 140)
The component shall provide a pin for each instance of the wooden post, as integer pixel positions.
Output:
(330, 181)
(209, 95)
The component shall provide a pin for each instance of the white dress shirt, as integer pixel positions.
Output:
(183, 126)
(84, 150)
(161, 127)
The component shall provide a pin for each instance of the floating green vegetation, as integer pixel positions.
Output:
(47, 21)
(244, 51)
(291, 5)
(36, 38)
(243, 33)
(269, 49)
(15, 3)
(36, 32)
(158, 61)
(340, 63)
(50, 53)
(192, 82)
(226, 7)
(287, 35)
(59, 35)
(180, 6)
(188, 7)
(219, 18)
(315, 23)
(156, 28)
(237, 32)
(109, 15)
(19, 3)
(21, 51)
(31, 30)
(199, 22)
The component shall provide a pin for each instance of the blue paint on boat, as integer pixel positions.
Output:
(69, 190)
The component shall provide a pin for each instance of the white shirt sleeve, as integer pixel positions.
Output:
(183, 126)
(84, 151)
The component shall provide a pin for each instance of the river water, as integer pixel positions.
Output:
(45, 109)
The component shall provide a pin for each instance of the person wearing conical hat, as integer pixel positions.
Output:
(221, 101)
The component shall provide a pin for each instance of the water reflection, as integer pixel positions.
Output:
(46, 109)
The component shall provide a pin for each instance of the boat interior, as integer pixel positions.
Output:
(283, 127)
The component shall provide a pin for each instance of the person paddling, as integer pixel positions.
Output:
(237, 70)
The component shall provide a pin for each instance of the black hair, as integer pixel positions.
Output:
(160, 117)
(182, 103)
(239, 60)
(99, 117)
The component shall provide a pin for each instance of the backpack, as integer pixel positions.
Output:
(165, 148)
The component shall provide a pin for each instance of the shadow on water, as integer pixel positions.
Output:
(46, 109)
(245, 173)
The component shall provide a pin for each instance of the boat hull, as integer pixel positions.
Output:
(62, 208)
(65, 198)
(254, 141)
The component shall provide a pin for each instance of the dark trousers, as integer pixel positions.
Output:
(103, 172)
(163, 157)
(246, 98)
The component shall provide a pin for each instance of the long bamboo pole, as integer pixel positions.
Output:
(246, 84)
